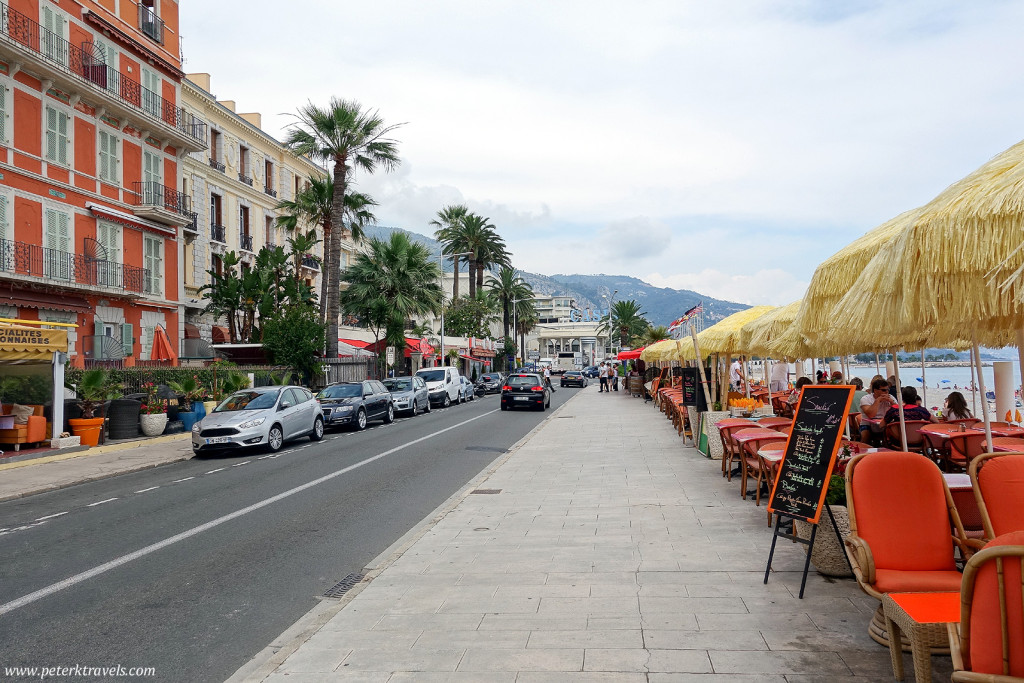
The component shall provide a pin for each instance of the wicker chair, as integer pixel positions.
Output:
(901, 513)
(915, 439)
(963, 449)
(730, 449)
(998, 482)
(987, 646)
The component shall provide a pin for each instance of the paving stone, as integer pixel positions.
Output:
(820, 663)
(562, 660)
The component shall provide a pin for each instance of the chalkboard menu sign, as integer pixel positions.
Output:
(693, 395)
(802, 479)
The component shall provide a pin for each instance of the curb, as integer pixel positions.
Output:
(95, 450)
(264, 663)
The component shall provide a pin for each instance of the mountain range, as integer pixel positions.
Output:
(661, 305)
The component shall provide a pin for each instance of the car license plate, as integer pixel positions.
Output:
(217, 439)
(522, 398)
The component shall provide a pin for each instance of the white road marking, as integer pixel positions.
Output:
(151, 488)
(56, 514)
(142, 552)
(178, 481)
(101, 502)
(244, 462)
(219, 469)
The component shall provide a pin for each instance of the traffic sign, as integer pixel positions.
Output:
(391, 355)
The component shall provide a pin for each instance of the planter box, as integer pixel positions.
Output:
(66, 442)
(828, 555)
(714, 440)
(153, 425)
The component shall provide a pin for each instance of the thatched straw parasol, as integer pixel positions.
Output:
(724, 336)
(759, 336)
(655, 352)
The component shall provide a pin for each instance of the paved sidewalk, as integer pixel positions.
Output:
(28, 477)
(604, 550)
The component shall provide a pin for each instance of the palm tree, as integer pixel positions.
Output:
(492, 253)
(526, 320)
(653, 335)
(506, 288)
(395, 280)
(353, 139)
(448, 232)
(626, 319)
(477, 235)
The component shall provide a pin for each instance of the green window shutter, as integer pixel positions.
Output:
(3, 220)
(127, 340)
(51, 133)
(104, 157)
(62, 138)
(4, 114)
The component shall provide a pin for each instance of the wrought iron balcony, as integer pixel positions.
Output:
(309, 261)
(151, 24)
(271, 191)
(245, 240)
(161, 203)
(216, 164)
(245, 179)
(192, 226)
(20, 34)
(65, 268)
(218, 233)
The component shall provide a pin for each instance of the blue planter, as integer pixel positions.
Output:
(187, 420)
(199, 409)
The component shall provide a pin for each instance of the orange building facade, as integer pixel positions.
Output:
(92, 133)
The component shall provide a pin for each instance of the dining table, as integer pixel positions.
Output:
(751, 441)
(1007, 444)
(962, 491)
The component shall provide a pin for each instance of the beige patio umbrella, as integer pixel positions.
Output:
(938, 281)
(758, 335)
(724, 336)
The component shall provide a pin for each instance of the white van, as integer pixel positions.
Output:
(443, 385)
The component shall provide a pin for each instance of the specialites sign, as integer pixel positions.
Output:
(22, 340)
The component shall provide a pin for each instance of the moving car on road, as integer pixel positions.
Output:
(267, 416)
(590, 372)
(408, 393)
(491, 382)
(523, 390)
(356, 403)
(573, 378)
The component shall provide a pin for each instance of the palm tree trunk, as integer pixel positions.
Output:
(455, 281)
(472, 280)
(480, 276)
(334, 274)
(505, 315)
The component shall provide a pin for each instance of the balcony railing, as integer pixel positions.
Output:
(271, 191)
(245, 241)
(194, 225)
(218, 233)
(245, 179)
(151, 24)
(27, 34)
(149, 193)
(22, 258)
(217, 165)
(309, 261)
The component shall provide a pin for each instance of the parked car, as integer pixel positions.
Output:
(525, 390)
(467, 392)
(356, 403)
(443, 385)
(590, 372)
(491, 382)
(409, 394)
(573, 378)
(267, 416)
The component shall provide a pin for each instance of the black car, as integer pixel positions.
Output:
(573, 378)
(525, 390)
(491, 382)
(590, 372)
(356, 403)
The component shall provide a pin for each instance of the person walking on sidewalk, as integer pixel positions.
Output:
(602, 376)
(615, 376)
(547, 378)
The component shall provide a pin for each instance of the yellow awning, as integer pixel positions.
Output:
(29, 343)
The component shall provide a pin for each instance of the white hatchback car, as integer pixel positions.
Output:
(265, 416)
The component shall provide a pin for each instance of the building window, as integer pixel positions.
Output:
(217, 265)
(57, 240)
(109, 237)
(151, 99)
(216, 150)
(269, 236)
(153, 254)
(6, 236)
(110, 160)
(298, 184)
(152, 167)
(244, 236)
(150, 22)
(55, 35)
(5, 114)
(243, 165)
(57, 142)
(268, 175)
(102, 73)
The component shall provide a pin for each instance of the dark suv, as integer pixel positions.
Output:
(491, 382)
(525, 390)
(356, 403)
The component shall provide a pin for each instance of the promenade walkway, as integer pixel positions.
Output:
(600, 549)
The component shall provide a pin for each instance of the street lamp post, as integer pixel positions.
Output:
(440, 261)
(611, 302)
(515, 318)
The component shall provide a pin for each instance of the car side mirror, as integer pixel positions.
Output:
(284, 404)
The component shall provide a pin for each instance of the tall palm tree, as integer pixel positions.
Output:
(476, 236)
(448, 231)
(492, 253)
(352, 139)
(395, 280)
(526, 320)
(506, 288)
(653, 335)
(625, 319)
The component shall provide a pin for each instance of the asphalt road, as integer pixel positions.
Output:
(194, 567)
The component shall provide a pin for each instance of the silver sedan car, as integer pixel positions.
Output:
(266, 416)
(409, 393)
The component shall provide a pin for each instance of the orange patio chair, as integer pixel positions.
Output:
(901, 513)
(968, 422)
(915, 439)
(730, 449)
(987, 646)
(963, 448)
(752, 466)
(998, 481)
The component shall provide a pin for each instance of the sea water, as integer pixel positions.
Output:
(957, 376)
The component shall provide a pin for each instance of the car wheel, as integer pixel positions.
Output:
(318, 429)
(275, 438)
(415, 408)
(389, 416)
(427, 409)
(504, 406)
(361, 419)
(447, 400)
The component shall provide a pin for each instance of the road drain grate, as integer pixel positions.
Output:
(344, 586)
(486, 449)
(486, 491)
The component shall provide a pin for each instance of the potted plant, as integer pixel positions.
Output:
(828, 554)
(94, 388)
(153, 417)
(189, 389)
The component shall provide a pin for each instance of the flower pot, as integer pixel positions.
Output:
(153, 425)
(88, 430)
(828, 555)
(187, 420)
(714, 441)
(209, 406)
(199, 408)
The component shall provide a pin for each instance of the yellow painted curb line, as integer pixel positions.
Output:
(96, 450)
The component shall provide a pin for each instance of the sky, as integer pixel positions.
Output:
(723, 146)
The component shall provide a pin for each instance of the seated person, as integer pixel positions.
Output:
(837, 377)
(872, 406)
(794, 396)
(859, 392)
(911, 409)
(956, 407)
